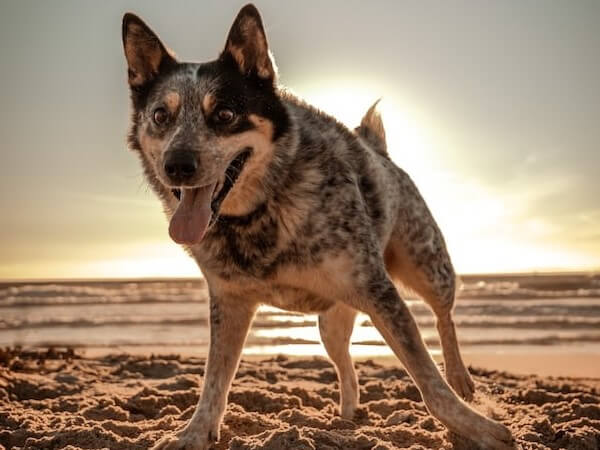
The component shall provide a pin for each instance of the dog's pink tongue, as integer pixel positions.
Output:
(191, 217)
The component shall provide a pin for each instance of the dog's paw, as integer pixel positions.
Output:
(462, 383)
(188, 440)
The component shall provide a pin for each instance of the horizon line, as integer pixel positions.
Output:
(150, 279)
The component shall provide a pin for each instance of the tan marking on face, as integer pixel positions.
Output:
(151, 150)
(151, 146)
(173, 101)
(263, 126)
(208, 104)
(248, 191)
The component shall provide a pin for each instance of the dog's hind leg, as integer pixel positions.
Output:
(427, 270)
(336, 325)
(396, 324)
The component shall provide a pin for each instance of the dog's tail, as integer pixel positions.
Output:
(372, 131)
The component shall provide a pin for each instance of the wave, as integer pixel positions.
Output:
(23, 324)
(540, 340)
(498, 310)
(555, 287)
(518, 293)
(432, 343)
(530, 286)
(567, 307)
(114, 293)
(530, 323)
(265, 321)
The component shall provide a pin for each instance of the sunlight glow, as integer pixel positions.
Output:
(406, 129)
(485, 231)
(150, 260)
(140, 260)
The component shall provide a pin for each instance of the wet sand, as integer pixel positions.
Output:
(58, 400)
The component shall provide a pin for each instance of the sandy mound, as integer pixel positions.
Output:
(56, 400)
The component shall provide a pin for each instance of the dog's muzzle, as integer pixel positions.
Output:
(198, 207)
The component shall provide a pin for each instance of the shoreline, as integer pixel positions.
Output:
(539, 360)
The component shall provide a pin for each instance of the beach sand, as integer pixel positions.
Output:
(56, 400)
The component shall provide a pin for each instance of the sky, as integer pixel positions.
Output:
(492, 107)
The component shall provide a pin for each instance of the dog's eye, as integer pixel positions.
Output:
(160, 116)
(225, 115)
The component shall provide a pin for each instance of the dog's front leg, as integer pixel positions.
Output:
(230, 320)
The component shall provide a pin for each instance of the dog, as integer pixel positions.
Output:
(281, 204)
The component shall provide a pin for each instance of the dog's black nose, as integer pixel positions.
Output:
(180, 166)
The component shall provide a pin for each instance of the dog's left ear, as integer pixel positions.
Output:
(247, 45)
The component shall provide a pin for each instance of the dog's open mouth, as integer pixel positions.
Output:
(231, 175)
(199, 207)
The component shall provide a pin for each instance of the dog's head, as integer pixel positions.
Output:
(205, 131)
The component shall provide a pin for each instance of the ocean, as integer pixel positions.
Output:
(496, 313)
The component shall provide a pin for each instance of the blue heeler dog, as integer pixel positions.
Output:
(281, 204)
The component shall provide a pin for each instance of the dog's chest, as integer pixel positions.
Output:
(232, 251)
(294, 299)
(260, 248)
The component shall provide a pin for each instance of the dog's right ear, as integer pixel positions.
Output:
(145, 53)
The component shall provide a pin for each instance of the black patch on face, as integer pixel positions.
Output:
(244, 95)
(239, 125)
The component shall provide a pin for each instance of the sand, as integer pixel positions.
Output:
(58, 400)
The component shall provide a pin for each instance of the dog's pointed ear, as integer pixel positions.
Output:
(145, 53)
(247, 45)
